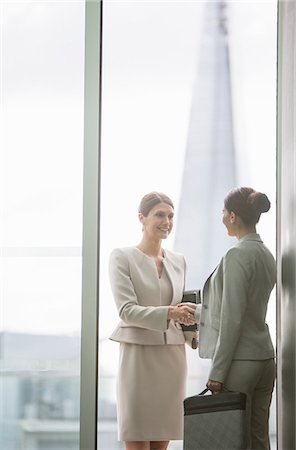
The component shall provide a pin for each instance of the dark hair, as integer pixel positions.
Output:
(247, 204)
(152, 199)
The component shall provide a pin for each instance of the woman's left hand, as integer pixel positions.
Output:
(214, 386)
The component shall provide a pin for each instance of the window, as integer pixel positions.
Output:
(163, 75)
(41, 223)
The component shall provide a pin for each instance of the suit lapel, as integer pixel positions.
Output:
(208, 280)
(167, 266)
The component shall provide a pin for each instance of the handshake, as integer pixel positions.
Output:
(184, 312)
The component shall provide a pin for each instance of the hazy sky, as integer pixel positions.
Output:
(150, 63)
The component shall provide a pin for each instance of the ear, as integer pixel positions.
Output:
(141, 217)
(232, 217)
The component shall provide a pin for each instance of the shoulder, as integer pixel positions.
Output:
(234, 252)
(174, 255)
(236, 255)
(121, 254)
(122, 251)
(238, 262)
(175, 259)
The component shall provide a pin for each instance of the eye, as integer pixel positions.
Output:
(171, 216)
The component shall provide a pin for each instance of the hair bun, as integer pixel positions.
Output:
(259, 202)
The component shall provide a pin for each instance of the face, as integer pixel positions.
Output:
(159, 222)
(229, 221)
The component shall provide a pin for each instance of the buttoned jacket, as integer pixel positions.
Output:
(235, 297)
(136, 290)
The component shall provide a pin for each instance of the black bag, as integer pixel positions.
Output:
(215, 422)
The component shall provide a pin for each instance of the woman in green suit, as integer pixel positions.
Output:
(233, 332)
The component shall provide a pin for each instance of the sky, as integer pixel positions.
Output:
(150, 65)
(148, 78)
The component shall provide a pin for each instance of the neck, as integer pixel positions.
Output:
(151, 248)
(244, 231)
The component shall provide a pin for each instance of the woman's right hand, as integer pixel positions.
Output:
(183, 313)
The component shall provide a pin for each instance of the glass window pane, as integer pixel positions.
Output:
(165, 66)
(41, 223)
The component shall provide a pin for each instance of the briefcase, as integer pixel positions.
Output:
(215, 422)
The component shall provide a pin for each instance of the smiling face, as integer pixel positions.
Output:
(159, 221)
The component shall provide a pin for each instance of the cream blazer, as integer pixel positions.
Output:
(136, 290)
(235, 297)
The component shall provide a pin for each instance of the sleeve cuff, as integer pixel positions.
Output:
(198, 313)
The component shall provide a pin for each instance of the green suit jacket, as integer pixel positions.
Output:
(235, 297)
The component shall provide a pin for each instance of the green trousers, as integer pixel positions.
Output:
(256, 379)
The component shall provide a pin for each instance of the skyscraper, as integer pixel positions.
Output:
(210, 166)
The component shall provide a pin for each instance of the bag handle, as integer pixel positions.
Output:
(212, 393)
(204, 391)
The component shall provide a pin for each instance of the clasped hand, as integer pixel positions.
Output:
(214, 386)
(183, 313)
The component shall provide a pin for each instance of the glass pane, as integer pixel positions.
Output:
(41, 223)
(181, 108)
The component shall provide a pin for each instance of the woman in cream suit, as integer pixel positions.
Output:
(232, 328)
(147, 284)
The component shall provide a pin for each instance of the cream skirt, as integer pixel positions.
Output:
(150, 392)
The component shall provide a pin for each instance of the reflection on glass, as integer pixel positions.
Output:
(41, 218)
(156, 83)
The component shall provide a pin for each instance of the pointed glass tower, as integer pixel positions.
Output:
(209, 167)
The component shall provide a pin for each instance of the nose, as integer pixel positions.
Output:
(169, 222)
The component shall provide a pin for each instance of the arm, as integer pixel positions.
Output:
(151, 317)
(198, 313)
(191, 337)
(233, 308)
